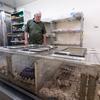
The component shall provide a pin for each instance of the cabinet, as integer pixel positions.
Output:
(68, 31)
(18, 21)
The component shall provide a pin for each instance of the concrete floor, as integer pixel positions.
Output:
(8, 93)
(3, 96)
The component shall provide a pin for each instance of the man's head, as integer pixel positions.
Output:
(37, 16)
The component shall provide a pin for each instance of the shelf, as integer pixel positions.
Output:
(50, 35)
(75, 17)
(17, 13)
(14, 35)
(17, 18)
(17, 24)
(70, 19)
(67, 31)
(17, 31)
(22, 41)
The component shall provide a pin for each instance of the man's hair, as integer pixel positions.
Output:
(37, 14)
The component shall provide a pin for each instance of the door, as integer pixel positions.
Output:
(5, 27)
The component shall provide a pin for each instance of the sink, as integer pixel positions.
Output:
(37, 48)
(77, 53)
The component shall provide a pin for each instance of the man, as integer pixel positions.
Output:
(35, 31)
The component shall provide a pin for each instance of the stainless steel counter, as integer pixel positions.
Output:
(90, 57)
(45, 64)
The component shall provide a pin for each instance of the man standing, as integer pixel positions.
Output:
(35, 32)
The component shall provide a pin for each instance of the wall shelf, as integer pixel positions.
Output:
(18, 25)
(66, 30)
(17, 18)
(22, 41)
(63, 30)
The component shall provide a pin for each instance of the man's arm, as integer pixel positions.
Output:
(44, 39)
(26, 38)
(44, 35)
(26, 35)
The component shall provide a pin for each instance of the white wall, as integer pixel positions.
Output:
(5, 8)
(59, 8)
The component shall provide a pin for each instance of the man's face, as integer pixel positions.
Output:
(37, 17)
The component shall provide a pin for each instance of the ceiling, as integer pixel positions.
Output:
(16, 3)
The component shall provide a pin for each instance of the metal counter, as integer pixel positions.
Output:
(45, 65)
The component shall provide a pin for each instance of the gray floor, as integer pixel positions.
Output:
(3, 96)
(8, 93)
